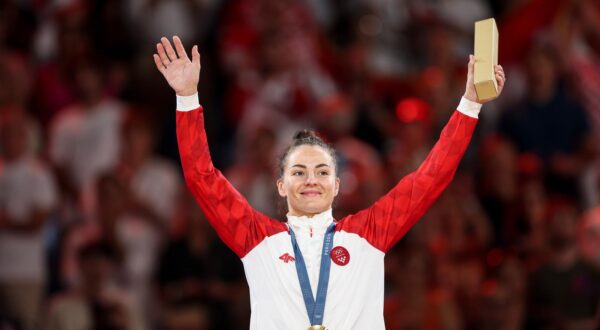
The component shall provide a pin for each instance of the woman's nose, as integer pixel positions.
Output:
(310, 179)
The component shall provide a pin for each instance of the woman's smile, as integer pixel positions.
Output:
(311, 193)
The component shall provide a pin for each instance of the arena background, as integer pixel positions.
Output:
(97, 228)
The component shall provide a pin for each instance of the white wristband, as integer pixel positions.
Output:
(469, 108)
(188, 103)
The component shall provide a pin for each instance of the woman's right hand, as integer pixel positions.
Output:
(181, 73)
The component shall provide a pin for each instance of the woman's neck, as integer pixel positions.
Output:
(293, 213)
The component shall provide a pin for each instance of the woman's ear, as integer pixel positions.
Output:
(337, 186)
(281, 187)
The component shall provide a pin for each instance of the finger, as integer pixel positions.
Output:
(500, 80)
(195, 55)
(471, 63)
(179, 48)
(163, 56)
(501, 74)
(159, 64)
(168, 48)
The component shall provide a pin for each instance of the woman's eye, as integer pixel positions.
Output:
(324, 173)
(297, 173)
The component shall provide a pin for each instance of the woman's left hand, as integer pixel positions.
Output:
(470, 93)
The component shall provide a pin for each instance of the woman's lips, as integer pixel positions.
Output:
(310, 193)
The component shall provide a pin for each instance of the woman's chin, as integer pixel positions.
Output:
(311, 210)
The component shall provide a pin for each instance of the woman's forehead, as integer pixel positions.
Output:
(309, 155)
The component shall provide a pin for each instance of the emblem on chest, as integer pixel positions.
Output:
(340, 256)
(286, 257)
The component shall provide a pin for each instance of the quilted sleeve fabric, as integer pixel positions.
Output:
(384, 223)
(236, 222)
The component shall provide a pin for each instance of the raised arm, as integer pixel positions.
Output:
(384, 223)
(236, 222)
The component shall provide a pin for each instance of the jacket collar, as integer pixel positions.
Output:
(318, 222)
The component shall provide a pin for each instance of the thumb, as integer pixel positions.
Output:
(195, 56)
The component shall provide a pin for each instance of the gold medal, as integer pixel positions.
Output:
(317, 327)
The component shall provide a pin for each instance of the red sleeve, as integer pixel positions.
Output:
(236, 222)
(384, 223)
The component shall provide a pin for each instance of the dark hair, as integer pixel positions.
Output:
(310, 138)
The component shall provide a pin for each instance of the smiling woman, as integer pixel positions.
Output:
(311, 270)
(308, 177)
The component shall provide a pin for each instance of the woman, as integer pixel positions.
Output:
(291, 285)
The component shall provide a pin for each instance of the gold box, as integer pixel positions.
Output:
(486, 55)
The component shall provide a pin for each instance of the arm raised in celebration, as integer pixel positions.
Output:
(236, 222)
(384, 223)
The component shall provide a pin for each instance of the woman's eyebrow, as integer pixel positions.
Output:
(304, 166)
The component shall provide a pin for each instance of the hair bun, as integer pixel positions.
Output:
(306, 134)
(306, 137)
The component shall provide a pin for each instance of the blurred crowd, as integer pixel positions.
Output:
(97, 230)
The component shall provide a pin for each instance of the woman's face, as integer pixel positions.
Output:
(309, 181)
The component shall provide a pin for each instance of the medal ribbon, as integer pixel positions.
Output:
(315, 308)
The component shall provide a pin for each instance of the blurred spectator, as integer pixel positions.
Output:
(254, 172)
(589, 236)
(412, 302)
(410, 139)
(502, 298)
(439, 88)
(523, 21)
(153, 182)
(15, 77)
(96, 303)
(565, 292)
(189, 316)
(16, 82)
(17, 25)
(246, 22)
(85, 137)
(196, 269)
(551, 123)
(498, 191)
(272, 52)
(27, 196)
(577, 27)
(526, 229)
(440, 82)
(62, 47)
(152, 19)
(292, 86)
(134, 239)
(109, 27)
(457, 226)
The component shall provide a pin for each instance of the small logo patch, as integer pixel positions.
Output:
(340, 256)
(286, 257)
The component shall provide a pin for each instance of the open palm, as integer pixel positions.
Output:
(174, 64)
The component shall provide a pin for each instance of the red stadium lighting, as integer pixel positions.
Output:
(412, 109)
